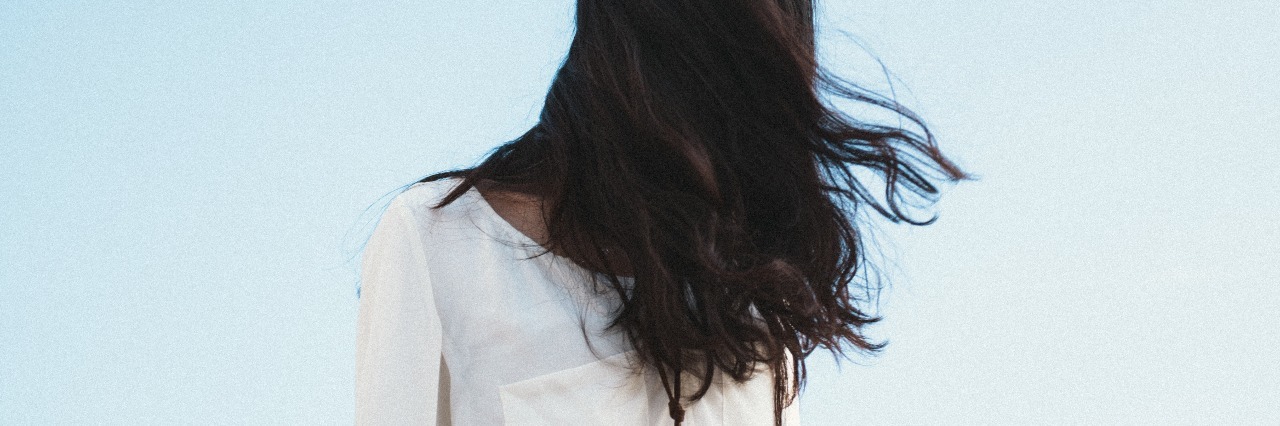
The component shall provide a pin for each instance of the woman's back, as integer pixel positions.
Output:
(459, 324)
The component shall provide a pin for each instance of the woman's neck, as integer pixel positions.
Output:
(528, 213)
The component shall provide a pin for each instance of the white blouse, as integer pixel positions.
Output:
(457, 325)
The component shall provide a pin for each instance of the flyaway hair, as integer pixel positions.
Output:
(690, 140)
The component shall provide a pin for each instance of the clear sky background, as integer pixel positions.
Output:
(184, 187)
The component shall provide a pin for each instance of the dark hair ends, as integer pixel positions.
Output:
(691, 138)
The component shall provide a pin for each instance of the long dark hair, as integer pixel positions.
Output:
(690, 139)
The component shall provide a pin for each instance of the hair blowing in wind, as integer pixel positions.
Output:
(688, 142)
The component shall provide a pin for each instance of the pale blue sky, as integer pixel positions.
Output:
(183, 186)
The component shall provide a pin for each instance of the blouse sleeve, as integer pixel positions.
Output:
(398, 340)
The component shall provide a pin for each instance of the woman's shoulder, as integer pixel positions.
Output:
(421, 198)
(467, 218)
(421, 195)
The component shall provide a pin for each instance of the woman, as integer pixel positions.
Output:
(668, 244)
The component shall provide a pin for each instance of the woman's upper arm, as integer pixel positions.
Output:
(398, 338)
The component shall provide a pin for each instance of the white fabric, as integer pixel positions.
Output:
(458, 325)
